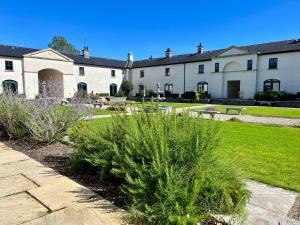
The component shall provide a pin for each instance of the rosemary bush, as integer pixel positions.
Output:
(168, 165)
(12, 115)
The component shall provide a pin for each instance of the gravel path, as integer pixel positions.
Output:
(256, 119)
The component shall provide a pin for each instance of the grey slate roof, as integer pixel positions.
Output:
(18, 52)
(261, 49)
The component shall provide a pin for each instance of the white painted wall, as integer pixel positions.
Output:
(15, 75)
(98, 79)
(288, 71)
(152, 75)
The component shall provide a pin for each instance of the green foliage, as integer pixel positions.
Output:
(273, 96)
(12, 115)
(126, 87)
(119, 94)
(168, 165)
(60, 44)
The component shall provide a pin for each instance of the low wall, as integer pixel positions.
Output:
(232, 102)
(290, 104)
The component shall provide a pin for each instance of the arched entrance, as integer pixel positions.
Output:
(50, 83)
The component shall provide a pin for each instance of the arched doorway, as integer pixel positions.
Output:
(50, 83)
(113, 89)
(10, 85)
(82, 87)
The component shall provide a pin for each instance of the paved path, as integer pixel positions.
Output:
(32, 194)
(256, 119)
(269, 205)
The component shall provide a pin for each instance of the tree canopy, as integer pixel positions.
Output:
(60, 44)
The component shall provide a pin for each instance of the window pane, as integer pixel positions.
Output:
(276, 86)
(8, 65)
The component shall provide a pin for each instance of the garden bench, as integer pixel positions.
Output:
(268, 103)
(239, 110)
(212, 113)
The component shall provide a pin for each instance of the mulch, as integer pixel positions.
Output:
(55, 157)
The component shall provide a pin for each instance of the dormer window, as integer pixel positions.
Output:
(81, 71)
(167, 72)
(9, 66)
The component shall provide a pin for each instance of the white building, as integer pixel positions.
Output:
(234, 72)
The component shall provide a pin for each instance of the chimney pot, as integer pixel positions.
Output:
(168, 53)
(85, 52)
(200, 48)
(130, 57)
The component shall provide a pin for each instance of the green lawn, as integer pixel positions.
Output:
(263, 111)
(107, 112)
(268, 154)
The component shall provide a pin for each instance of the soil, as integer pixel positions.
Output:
(295, 210)
(55, 157)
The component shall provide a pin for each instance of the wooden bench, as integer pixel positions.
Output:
(119, 106)
(212, 113)
(239, 110)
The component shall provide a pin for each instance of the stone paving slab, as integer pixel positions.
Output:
(15, 209)
(271, 198)
(71, 216)
(31, 193)
(269, 205)
(15, 184)
(8, 157)
(66, 194)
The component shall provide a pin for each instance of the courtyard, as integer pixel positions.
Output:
(266, 155)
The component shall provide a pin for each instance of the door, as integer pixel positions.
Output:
(113, 89)
(233, 89)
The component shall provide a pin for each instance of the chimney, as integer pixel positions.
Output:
(168, 53)
(130, 57)
(200, 48)
(85, 52)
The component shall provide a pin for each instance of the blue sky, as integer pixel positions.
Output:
(113, 28)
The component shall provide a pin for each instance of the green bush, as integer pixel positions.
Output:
(12, 115)
(119, 94)
(273, 96)
(126, 87)
(168, 165)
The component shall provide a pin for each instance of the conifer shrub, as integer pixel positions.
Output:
(168, 166)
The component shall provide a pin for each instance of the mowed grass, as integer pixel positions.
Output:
(107, 112)
(262, 111)
(268, 154)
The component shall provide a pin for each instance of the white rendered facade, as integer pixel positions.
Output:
(233, 80)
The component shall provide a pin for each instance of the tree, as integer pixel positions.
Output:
(126, 87)
(60, 44)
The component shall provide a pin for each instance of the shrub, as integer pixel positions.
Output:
(274, 96)
(126, 87)
(119, 94)
(168, 165)
(189, 95)
(48, 121)
(12, 115)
